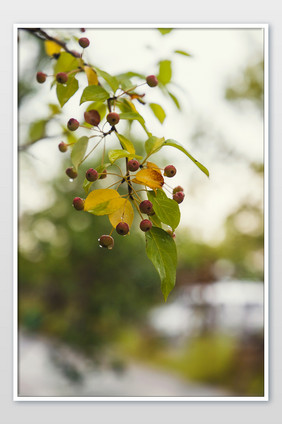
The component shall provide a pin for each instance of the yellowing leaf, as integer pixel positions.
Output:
(126, 144)
(149, 177)
(123, 212)
(52, 48)
(98, 201)
(152, 165)
(91, 76)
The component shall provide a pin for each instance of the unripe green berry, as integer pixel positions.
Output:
(146, 207)
(92, 117)
(152, 80)
(176, 189)
(106, 241)
(113, 118)
(73, 124)
(103, 175)
(179, 196)
(78, 203)
(71, 172)
(62, 77)
(84, 42)
(63, 147)
(133, 165)
(41, 77)
(91, 175)
(145, 225)
(169, 171)
(122, 228)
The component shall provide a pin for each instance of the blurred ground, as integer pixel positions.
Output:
(39, 376)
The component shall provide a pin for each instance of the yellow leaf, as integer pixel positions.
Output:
(131, 104)
(52, 48)
(98, 201)
(123, 212)
(91, 76)
(152, 165)
(149, 177)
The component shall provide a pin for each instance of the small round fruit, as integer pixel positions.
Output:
(41, 77)
(122, 228)
(176, 189)
(103, 175)
(179, 196)
(113, 118)
(169, 171)
(63, 147)
(71, 172)
(106, 241)
(78, 203)
(145, 225)
(152, 80)
(146, 207)
(84, 42)
(73, 124)
(133, 165)
(62, 77)
(92, 117)
(91, 175)
(171, 233)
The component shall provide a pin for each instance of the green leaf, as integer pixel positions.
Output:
(165, 31)
(66, 91)
(66, 63)
(153, 145)
(118, 154)
(158, 112)
(86, 185)
(166, 209)
(112, 81)
(178, 146)
(175, 100)
(126, 144)
(37, 130)
(131, 116)
(156, 221)
(54, 109)
(94, 93)
(161, 250)
(165, 72)
(182, 52)
(79, 150)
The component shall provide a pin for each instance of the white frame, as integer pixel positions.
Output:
(265, 398)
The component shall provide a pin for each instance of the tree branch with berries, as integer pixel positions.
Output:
(140, 186)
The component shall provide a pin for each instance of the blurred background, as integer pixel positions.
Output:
(93, 322)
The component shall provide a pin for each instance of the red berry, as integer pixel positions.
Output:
(145, 225)
(82, 29)
(62, 77)
(176, 189)
(92, 117)
(84, 42)
(169, 171)
(41, 77)
(91, 175)
(78, 203)
(63, 147)
(146, 207)
(73, 124)
(152, 80)
(106, 241)
(122, 228)
(133, 165)
(103, 175)
(71, 172)
(113, 118)
(179, 196)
